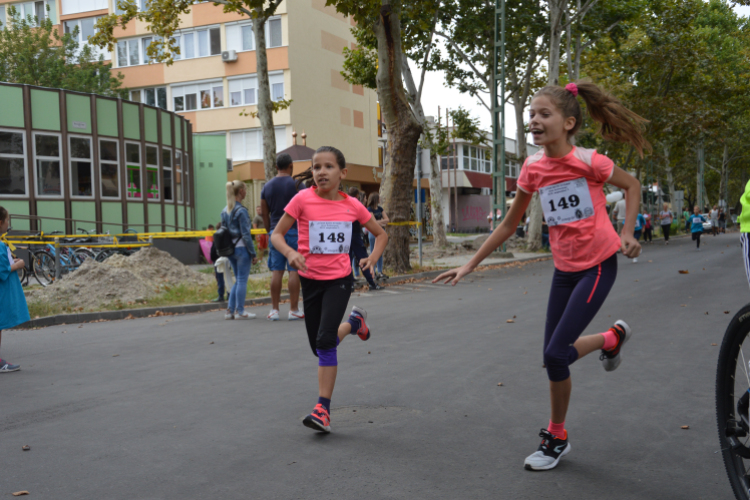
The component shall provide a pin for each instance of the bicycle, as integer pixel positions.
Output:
(733, 403)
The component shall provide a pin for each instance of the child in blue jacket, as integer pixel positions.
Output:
(14, 310)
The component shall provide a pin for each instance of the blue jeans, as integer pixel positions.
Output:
(240, 261)
(379, 266)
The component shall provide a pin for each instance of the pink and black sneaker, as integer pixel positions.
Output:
(358, 319)
(319, 419)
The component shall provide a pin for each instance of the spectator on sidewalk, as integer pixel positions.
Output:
(236, 219)
(357, 251)
(619, 214)
(258, 223)
(714, 216)
(14, 310)
(665, 216)
(648, 229)
(220, 285)
(686, 219)
(274, 197)
(373, 205)
(722, 221)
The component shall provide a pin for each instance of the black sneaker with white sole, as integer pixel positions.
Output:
(549, 453)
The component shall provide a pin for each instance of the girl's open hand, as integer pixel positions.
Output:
(367, 264)
(630, 246)
(297, 261)
(454, 275)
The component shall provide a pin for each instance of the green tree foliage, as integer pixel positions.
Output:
(34, 53)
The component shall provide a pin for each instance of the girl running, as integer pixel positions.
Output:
(696, 226)
(325, 217)
(584, 244)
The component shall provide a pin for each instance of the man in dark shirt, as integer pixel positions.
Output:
(274, 197)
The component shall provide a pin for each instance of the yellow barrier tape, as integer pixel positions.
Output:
(408, 223)
(10, 245)
(45, 239)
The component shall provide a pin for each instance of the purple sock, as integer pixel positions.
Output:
(356, 321)
(325, 402)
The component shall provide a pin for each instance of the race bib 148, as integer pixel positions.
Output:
(566, 202)
(330, 237)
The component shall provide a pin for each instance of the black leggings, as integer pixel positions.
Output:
(647, 234)
(359, 252)
(665, 229)
(325, 305)
(574, 300)
(697, 239)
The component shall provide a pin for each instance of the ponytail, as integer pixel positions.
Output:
(233, 189)
(616, 122)
(305, 178)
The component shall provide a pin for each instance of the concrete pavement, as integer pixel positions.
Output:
(196, 407)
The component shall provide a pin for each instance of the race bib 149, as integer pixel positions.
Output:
(330, 237)
(566, 202)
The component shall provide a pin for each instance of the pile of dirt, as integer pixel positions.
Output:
(123, 279)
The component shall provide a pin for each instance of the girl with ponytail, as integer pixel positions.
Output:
(236, 218)
(584, 244)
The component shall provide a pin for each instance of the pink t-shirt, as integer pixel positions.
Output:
(580, 232)
(307, 206)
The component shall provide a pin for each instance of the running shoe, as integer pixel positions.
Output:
(364, 331)
(228, 315)
(376, 287)
(6, 367)
(318, 420)
(611, 358)
(296, 315)
(550, 451)
(273, 315)
(245, 315)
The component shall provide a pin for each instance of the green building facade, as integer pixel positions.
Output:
(70, 160)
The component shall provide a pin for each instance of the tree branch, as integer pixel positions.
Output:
(464, 57)
(586, 7)
(427, 53)
(607, 30)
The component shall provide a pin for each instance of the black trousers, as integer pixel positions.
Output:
(325, 304)
(665, 229)
(359, 252)
(697, 239)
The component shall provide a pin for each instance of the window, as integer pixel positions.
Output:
(142, 5)
(178, 175)
(133, 51)
(36, 10)
(81, 168)
(76, 6)
(198, 96)
(186, 172)
(244, 91)
(152, 173)
(133, 169)
(166, 158)
(240, 36)
(85, 30)
(12, 163)
(198, 43)
(466, 159)
(48, 173)
(156, 96)
(109, 169)
(248, 144)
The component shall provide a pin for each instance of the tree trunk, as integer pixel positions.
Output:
(557, 10)
(724, 178)
(668, 170)
(265, 105)
(436, 202)
(403, 134)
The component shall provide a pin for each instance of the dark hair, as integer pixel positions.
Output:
(354, 192)
(3, 214)
(210, 226)
(373, 201)
(283, 161)
(307, 175)
(616, 122)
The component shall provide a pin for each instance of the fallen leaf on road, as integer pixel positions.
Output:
(686, 427)
(681, 271)
(80, 326)
(525, 293)
(26, 447)
(489, 289)
(636, 281)
(706, 313)
(683, 305)
(210, 343)
(115, 355)
(20, 493)
(499, 384)
(704, 268)
(368, 352)
(713, 344)
(130, 316)
(651, 261)
(509, 321)
(726, 312)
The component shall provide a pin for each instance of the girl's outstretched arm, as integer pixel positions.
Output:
(623, 180)
(505, 230)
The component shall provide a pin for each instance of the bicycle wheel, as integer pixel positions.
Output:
(733, 401)
(84, 253)
(43, 266)
(102, 255)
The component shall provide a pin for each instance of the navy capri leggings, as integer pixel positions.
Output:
(574, 300)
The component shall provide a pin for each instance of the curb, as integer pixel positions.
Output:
(145, 312)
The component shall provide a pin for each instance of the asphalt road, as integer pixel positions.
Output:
(196, 407)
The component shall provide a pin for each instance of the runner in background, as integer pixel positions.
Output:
(686, 218)
(324, 216)
(274, 196)
(696, 226)
(648, 229)
(640, 223)
(744, 221)
(570, 183)
(619, 214)
(665, 216)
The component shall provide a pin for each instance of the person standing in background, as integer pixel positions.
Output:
(648, 229)
(686, 219)
(619, 214)
(357, 251)
(220, 283)
(262, 239)
(14, 310)
(722, 221)
(714, 216)
(665, 216)
(373, 205)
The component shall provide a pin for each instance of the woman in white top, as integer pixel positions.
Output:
(666, 222)
(714, 216)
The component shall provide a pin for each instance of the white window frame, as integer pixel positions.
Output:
(70, 166)
(180, 196)
(140, 169)
(141, 95)
(234, 35)
(142, 56)
(23, 157)
(179, 37)
(49, 158)
(185, 177)
(233, 135)
(21, 8)
(248, 82)
(171, 173)
(81, 42)
(200, 86)
(158, 172)
(82, 6)
(116, 163)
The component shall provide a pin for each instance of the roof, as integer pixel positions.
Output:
(298, 153)
(478, 180)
